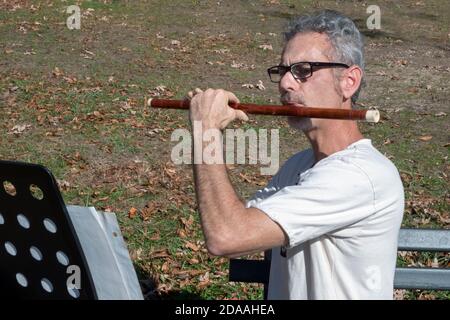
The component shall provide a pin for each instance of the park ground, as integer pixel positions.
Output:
(73, 100)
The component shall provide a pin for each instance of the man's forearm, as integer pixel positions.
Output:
(217, 200)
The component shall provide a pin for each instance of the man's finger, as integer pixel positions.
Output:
(191, 94)
(241, 115)
(231, 97)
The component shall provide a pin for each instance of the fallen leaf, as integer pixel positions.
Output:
(187, 222)
(204, 277)
(89, 52)
(171, 172)
(406, 177)
(435, 263)
(237, 65)
(399, 294)
(156, 236)
(161, 88)
(261, 182)
(154, 131)
(204, 280)
(57, 72)
(165, 266)
(188, 272)
(163, 253)
(244, 177)
(444, 218)
(150, 208)
(70, 80)
(266, 47)
(221, 51)
(63, 184)
(132, 213)
(426, 138)
(230, 166)
(20, 128)
(181, 233)
(191, 246)
(136, 254)
(260, 85)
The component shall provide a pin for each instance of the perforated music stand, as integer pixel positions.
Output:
(40, 254)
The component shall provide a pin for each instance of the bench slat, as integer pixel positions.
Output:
(424, 240)
(258, 271)
(422, 278)
(405, 278)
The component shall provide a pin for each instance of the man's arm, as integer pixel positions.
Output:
(230, 229)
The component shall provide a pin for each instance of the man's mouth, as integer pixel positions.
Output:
(292, 103)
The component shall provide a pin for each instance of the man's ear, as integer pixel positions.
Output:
(350, 81)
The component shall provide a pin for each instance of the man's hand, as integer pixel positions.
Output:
(211, 108)
(225, 220)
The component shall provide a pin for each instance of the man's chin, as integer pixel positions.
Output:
(303, 124)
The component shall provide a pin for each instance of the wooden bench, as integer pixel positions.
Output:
(423, 240)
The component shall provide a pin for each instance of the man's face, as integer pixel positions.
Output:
(319, 90)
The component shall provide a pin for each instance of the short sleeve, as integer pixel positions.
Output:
(328, 197)
(285, 176)
(271, 188)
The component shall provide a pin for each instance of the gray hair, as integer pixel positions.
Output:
(345, 38)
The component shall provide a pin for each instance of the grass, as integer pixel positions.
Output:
(88, 124)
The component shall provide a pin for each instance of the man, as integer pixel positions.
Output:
(332, 213)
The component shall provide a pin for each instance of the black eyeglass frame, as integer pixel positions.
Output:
(311, 66)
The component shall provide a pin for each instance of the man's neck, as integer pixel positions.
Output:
(331, 139)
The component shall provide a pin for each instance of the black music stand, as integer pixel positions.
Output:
(40, 253)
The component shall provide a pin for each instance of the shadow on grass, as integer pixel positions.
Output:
(149, 286)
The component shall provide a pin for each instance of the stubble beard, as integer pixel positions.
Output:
(298, 123)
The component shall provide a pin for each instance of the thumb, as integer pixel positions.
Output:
(241, 115)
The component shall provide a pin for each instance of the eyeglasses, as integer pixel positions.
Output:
(300, 70)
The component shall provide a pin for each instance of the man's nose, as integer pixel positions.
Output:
(288, 82)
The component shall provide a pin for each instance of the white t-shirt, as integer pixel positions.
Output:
(342, 218)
